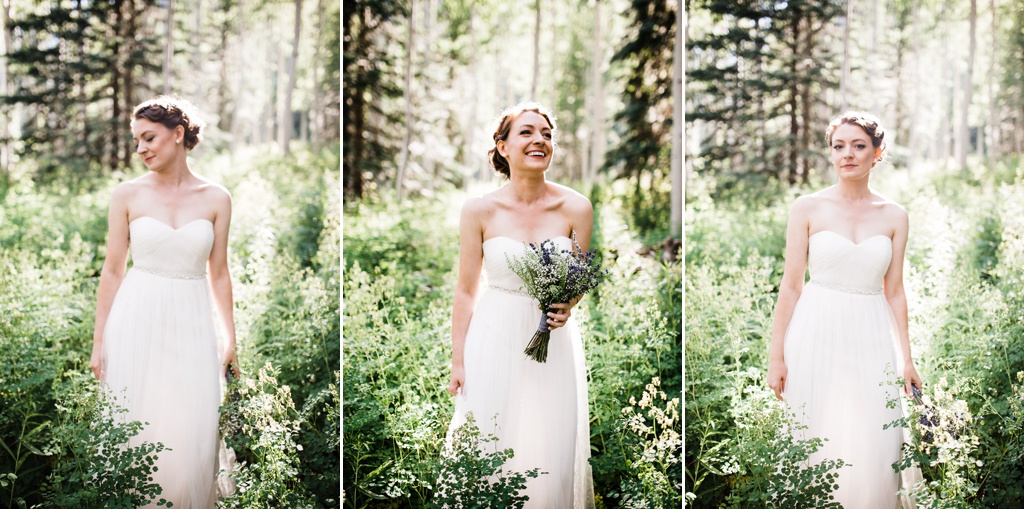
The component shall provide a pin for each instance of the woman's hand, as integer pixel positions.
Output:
(777, 374)
(458, 381)
(230, 359)
(558, 318)
(97, 362)
(910, 377)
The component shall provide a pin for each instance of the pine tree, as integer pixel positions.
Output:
(645, 121)
(76, 69)
(369, 76)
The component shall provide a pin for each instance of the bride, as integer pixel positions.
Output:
(537, 409)
(154, 342)
(835, 338)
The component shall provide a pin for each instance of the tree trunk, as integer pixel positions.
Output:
(224, 120)
(963, 141)
(5, 45)
(132, 26)
(241, 78)
(993, 123)
(469, 126)
(285, 122)
(354, 127)
(407, 93)
(676, 171)
(536, 54)
(806, 103)
(197, 30)
(844, 84)
(169, 49)
(794, 96)
(115, 89)
(316, 129)
(597, 130)
(912, 128)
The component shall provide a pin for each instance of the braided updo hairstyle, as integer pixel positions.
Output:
(866, 121)
(507, 117)
(171, 112)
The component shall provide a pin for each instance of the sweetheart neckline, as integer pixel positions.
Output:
(521, 242)
(169, 226)
(848, 239)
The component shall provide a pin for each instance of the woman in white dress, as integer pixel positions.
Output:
(835, 338)
(154, 342)
(537, 409)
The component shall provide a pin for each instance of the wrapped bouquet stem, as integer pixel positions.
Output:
(552, 276)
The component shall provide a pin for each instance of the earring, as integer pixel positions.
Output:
(177, 140)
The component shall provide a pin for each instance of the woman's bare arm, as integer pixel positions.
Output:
(112, 273)
(895, 294)
(220, 276)
(789, 291)
(471, 257)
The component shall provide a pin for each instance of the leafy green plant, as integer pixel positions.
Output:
(260, 425)
(656, 456)
(98, 467)
(471, 476)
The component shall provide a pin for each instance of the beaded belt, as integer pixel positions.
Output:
(171, 275)
(513, 292)
(845, 289)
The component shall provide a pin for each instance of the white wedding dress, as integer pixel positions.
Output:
(840, 342)
(162, 360)
(537, 409)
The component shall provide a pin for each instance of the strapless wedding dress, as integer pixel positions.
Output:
(537, 409)
(841, 354)
(162, 359)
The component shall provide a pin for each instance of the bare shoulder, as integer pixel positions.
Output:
(214, 191)
(481, 205)
(126, 190)
(806, 204)
(477, 211)
(890, 208)
(572, 200)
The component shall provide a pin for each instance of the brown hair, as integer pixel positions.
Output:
(866, 121)
(171, 112)
(507, 117)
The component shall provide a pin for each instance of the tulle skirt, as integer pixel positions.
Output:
(537, 409)
(162, 365)
(840, 353)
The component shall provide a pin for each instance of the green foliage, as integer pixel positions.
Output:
(759, 79)
(472, 477)
(263, 418)
(655, 454)
(97, 467)
(641, 155)
(78, 66)
(943, 444)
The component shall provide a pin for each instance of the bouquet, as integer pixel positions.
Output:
(551, 276)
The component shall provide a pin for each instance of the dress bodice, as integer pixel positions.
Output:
(496, 249)
(836, 261)
(176, 252)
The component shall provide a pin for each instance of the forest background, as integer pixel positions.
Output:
(266, 77)
(763, 81)
(424, 82)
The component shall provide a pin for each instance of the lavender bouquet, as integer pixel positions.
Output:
(551, 276)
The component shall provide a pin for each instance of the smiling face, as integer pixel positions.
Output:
(529, 144)
(157, 146)
(852, 153)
